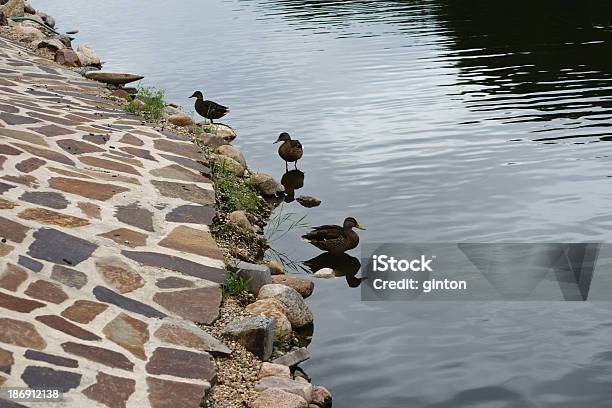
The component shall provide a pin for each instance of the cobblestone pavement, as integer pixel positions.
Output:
(106, 260)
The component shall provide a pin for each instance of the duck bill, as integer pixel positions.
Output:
(276, 142)
(359, 226)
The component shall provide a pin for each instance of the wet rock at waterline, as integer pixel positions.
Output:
(48, 20)
(308, 201)
(293, 357)
(256, 275)
(233, 153)
(275, 310)
(274, 370)
(321, 397)
(229, 163)
(27, 7)
(325, 273)
(276, 268)
(296, 309)
(88, 57)
(303, 286)
(113, 78)
(13, 8)
(67, 57)
(213, 141)
(256, 334)
(240, 219)
(299, 388)
(52, 44)
(266, 185)
(219, 129)
(277, 398)
(180, 119)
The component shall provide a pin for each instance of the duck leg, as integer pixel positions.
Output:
(286, 165)
(295, 164)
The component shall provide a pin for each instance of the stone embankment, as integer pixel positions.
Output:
(110, 279)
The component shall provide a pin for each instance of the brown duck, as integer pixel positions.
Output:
(208, 109)
(290, 150)
(334, 238)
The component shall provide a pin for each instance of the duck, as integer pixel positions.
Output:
(334, 238)
(291, 150)
(208, 109)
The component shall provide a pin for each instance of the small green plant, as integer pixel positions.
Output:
(282, 223)
(153, 101)
(233, 193)
(234, 283)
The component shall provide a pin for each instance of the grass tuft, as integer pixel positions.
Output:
(233, 193)
(154, 100)
(234, 283)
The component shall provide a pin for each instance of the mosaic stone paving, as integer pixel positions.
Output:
(106, 260)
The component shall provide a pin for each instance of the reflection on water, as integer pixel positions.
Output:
(292, 180)
(342, 265)
(429, 121)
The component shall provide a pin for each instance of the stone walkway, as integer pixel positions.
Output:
(106, 259)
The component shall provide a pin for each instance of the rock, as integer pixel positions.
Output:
(325, 273)
(64, 39)
(321, 397)
(73, 31)
(277, 398)
(3, 20)
(213, 141)
(27, 7)
(308, 201)
(257, 275)
(121, 93)
(219, 129)
(299, 388)
(48, 20)
(52, 44)
(137, 105)
(276, 268)
(255, 334)
(169, 110)
(67, 57)
(266, 185)
(88, 57)
(276, 370)
(240, 219)
(180, 119)
(275, 310)
(296, 309)
(233, 153)
(293, 357)
(13, 8)
(113, 78)
(303, 286)
(229, 163)
(28, 33)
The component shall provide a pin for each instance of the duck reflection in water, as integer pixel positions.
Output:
(342, 264)
(292, 180)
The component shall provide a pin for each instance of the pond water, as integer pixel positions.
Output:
(426, 121)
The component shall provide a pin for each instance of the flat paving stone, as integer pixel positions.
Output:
(191, 164)
(135, 216)
(60, 248)
(174, 263)
(108, 296)
(12, 119)
(142, 153)
(111, 390)
(51, 359)
(119, 275)
(30, 263)
(46, 198)
(91, 210)
(53, 130)
(47, 291)
(97, 139)
(5, 249)
(108, 164)
(21, 334)
(18, 304)
(127, 237)
(171, 282)
(195, 241)
(7, 205)
(12, 277)
(174, 394)
(5, 187)
(29, 165)
(129, 333)
(23, 136)
(77, 147)
(6, 361)
(12, 230)
(182, 363)
(197, 305)
(100, 355)
(185, 191)
(68, 276)
(49, 217)
(131, 140)
(45, 377)
(47, 154)
(60, 324)
(89, 189)
(187, 335)
(84, 311)
(26, 180)
(9, 150)
(176, 172)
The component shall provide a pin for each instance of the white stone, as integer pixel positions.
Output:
(325, 273)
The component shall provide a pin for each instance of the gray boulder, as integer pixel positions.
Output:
(302, 389)
(13, 8)
(52, 44)
(296, 309)
(293, 357)
(233, 153)
(266, 185)
(257, 275)
(277, 398)
(321, 397)
(256, 334)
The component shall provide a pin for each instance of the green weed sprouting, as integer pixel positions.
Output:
(153, 100)
(234, 283)
(233, 193)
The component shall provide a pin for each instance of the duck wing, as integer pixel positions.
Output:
(215, 107)
(296, 144)
(325, 233)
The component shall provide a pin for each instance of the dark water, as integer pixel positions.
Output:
(427, 121)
